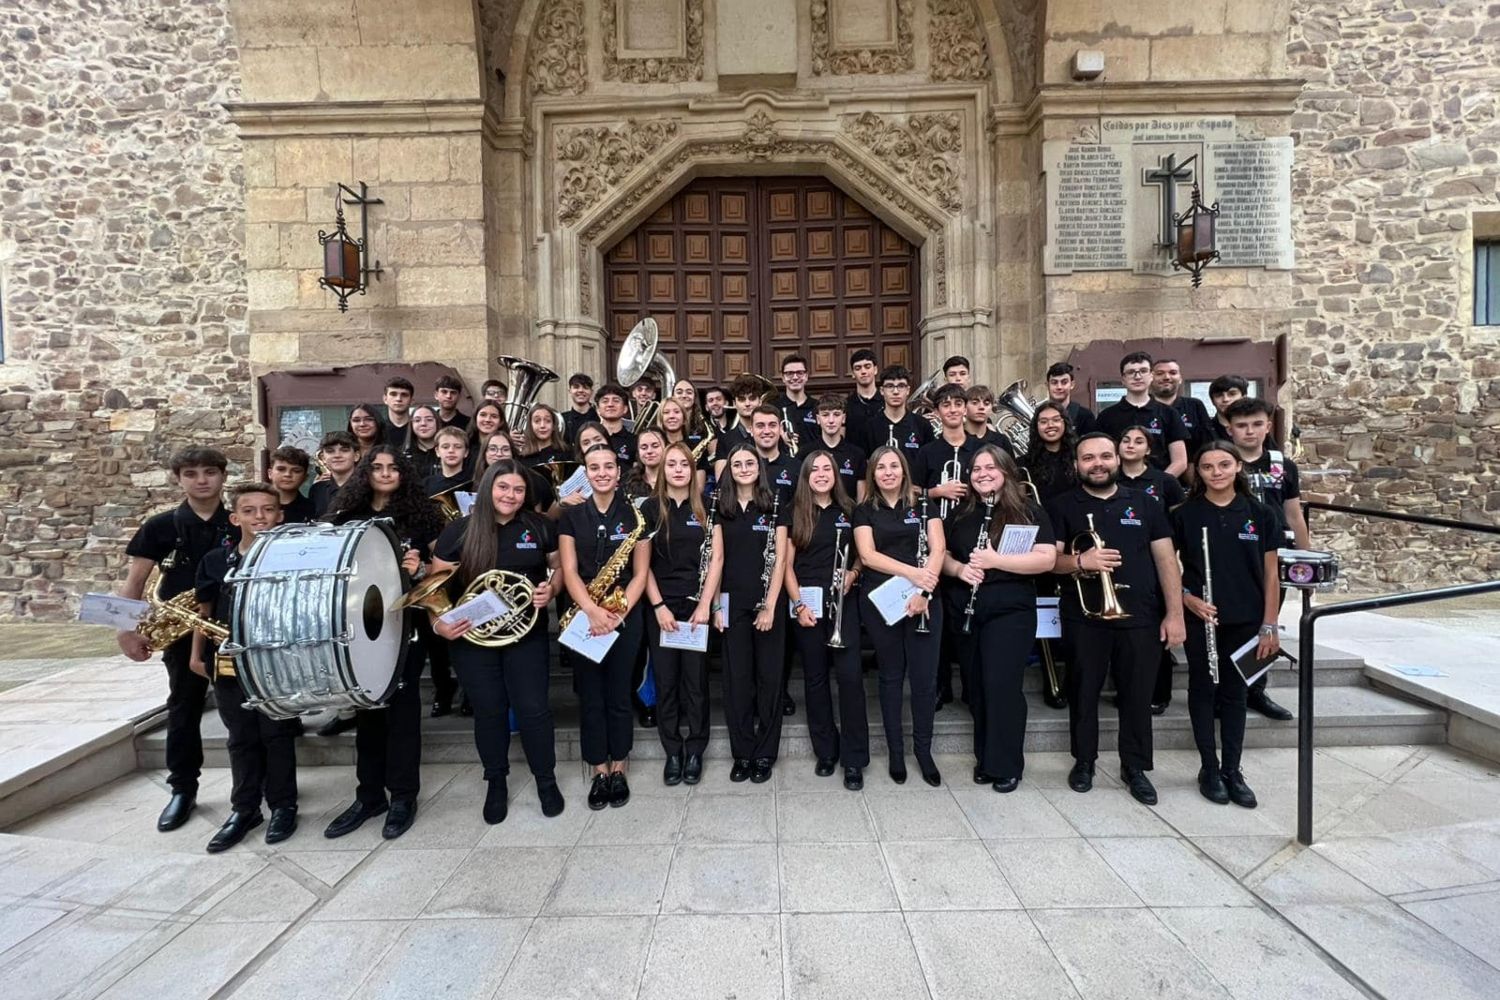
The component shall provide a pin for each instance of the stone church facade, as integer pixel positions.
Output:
(810, 175)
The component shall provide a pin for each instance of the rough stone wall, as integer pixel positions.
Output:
(121, 212)
(1396, 161)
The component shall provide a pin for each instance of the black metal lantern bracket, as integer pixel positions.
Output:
(345, 260)
(1191, 248)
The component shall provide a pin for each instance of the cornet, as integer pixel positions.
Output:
(1109, 604)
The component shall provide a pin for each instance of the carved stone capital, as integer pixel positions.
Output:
(924, 150)
(597, 158)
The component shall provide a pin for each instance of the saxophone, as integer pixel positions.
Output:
(602, 589)
(170, 619)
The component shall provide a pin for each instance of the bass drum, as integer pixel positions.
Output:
(313, 622)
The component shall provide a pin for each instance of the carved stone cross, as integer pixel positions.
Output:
(1168, 176)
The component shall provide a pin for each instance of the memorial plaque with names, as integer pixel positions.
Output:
(1253, 183)
(1088, 195)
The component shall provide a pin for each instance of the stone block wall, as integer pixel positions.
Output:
(121, 215)
(1397, 132)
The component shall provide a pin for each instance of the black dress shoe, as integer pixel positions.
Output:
(761, 772)
(930, 772)
(496, 801)
(740, 771)
(599, 791)
(336, 725)
(671, 773)
(1262, 703)
(1159, 707)
(1239, 792)
(854, 778)
(619, 789)
(179, 808)
(551, 798)
(897, 771)
(788, 706)
(1006, 785)
(1081, 778)
(826, 766)
(1140, 786)
(980, 778)
(234, 829)
(692, 769)
(1211, 786)
(283, 824)
(352, 818)
(648, 718)
(402, 815)
(465, 709)
(1059, 701)
(440, 709)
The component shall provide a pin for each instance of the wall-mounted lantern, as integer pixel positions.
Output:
(345, 260)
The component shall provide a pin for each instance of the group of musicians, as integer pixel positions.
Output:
(783, 526)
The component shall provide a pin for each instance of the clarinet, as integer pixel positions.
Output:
(706, 553)
(922, 628)
(1209, 631)
(768, 559)
(983, 542)
(836, 587)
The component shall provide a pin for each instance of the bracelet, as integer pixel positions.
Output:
(1268, 630)
(658, 605)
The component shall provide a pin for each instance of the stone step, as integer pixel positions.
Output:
(1348, 715)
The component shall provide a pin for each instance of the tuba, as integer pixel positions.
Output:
(1109, 600)
(526, 380)
(639, 358)
(1020, 410)
(170, 619)
(514, 591)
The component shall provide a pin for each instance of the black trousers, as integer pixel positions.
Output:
(606, 718)
(187, 694)
(262, 752)
(1228, 696)
(388, 741)
(1132, 655)
(903, 655)
(1161, 691)
(849, 744)
(1002, 639)
(498, 680)
(681, 686)
(1259, 687)
(753, 663)
(439, 666)
(954, 598)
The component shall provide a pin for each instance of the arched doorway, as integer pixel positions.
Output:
(740, 272)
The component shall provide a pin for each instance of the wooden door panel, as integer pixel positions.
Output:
(740, 273)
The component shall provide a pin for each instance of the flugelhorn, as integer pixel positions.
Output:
(639, 358)
(1109, 599)
(525, 381)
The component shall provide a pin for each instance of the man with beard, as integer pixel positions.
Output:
(1139, 552)
(1166, 386)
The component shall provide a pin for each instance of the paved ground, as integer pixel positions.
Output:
(795, 889)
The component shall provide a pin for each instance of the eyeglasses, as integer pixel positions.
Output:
(794, 373)
(896, 385)
(1136, 372)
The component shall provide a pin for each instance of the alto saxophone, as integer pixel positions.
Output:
(602, 589)
(170, 619)
(768, 557)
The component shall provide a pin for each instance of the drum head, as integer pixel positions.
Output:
(377, 636)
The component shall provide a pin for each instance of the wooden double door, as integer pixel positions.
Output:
(741, 272)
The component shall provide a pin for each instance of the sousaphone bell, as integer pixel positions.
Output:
(639, 358)
(525, 381)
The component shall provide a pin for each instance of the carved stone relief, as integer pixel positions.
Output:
(652, 70)
(956, 45)
(559, 63)
(830, 60)
(924, 150)
(760, 140)
(600, 157)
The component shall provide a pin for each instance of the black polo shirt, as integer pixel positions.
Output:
(572, 420)
(522, 546)
(745, 536)
(544, 455)
(1195, 417)
(177, 540)
(622, 442)
(994, 437)
(732, 437)
(813, 563)
(397, 437)
(676, 547)
(300, 510)
(408, 534)
(1163, 425)
(911, 432)
(596, 536)
(208, 583)
(781, 473)
(1239, 536)
(1156, 484)
(460, 419)
(424, 461)
(858, 410)
(849, 460)
(437, 483)
(1219, 430)
(803, 417)
(1002, 590)
(1273, 481)
(321, 494)
(1052, 472)
(1082, 418)
(895, 532)
(1128, 521)
(927, 466)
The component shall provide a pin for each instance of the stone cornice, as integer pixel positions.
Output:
(357, 118)
(1268, 97)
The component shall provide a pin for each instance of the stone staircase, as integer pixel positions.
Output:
(1350, 712)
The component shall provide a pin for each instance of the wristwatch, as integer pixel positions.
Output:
(797, 607)
(1268, 630)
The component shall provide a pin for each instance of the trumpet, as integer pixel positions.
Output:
(768, 557)
(1109, 599)
(836, 587)
(953, 472)
(788, 432)
(514, 591)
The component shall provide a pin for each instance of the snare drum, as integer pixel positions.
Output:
(1307, 570)
(312, 624)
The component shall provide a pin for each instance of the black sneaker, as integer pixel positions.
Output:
(619, 789)
(599, 791)
(1211, 786)
(1239, 792)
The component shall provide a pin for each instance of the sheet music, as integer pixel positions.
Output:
(578, 481)
(576, 637)
(1017, 539)
(109, 609)
(890, 598)
(813, 598)
(486, 606)
(690, 637)
(465, 502)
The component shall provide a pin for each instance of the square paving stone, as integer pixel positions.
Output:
(1060, 873)
(834, 877)
(196, 963)
(392, 885)
(849, 956)
(1024, 813)
(581, 958)
(640, 821)
(738, 878)
(271, 895)
(918, 817)
(978, 955)
(500, 882)
(1254, 954)
(1470, 920)
(1167, 872)
(823, 818)
(1107, 812)
(947, 875)
(453, 959)
(720, 956)
(604, 880)
(1124, 955)
(336, 956)
(729, 819)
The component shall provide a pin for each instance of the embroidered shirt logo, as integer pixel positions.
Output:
(527, 540)
(1129, 517)
(1248, 533)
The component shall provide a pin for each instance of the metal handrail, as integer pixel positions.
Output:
(1308, 623)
